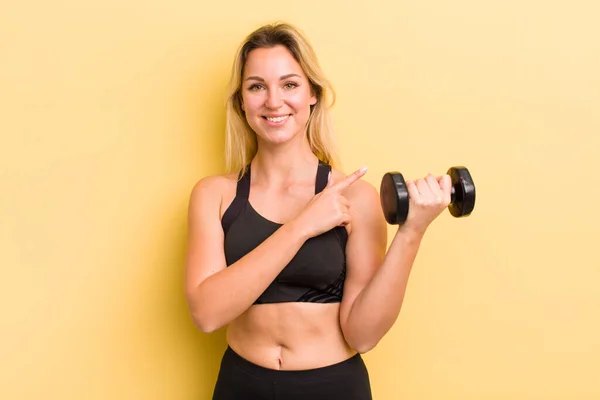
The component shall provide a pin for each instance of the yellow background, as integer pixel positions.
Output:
(112, 110)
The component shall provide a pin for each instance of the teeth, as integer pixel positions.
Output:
(278, 119)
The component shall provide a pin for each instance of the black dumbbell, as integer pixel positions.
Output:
(394, 195)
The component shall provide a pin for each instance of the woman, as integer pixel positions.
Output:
(288, 252)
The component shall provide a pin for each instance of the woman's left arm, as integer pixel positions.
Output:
(375, 280)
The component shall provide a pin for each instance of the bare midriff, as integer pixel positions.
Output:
(290, 336)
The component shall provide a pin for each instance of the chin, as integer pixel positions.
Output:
(277, 136)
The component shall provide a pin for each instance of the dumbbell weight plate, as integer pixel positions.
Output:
(394, 198)
(463, 192)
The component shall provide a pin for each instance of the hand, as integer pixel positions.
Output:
(329, 208)
(428, 197)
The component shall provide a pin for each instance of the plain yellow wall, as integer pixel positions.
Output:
(110, 111)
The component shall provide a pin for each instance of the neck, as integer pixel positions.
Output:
(284, 163)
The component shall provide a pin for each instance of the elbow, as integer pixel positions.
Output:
(207, 328)
(364, 347)
(360, 340)
(204, 323)
(202, 317)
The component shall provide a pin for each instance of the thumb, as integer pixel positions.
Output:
(446, 186)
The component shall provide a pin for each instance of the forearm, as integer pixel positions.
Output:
(377, 307)
(225, 295)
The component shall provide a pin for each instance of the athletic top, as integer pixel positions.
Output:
(317, 272)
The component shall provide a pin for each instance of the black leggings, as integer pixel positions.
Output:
(239, 379)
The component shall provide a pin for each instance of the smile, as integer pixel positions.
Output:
(277, 119)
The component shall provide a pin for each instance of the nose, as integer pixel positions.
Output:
(274, 99)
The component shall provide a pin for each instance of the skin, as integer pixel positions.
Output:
(293, 336)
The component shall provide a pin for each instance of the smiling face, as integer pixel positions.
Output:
(276, 95)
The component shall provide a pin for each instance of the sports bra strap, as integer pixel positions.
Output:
(239, 201)
(322, 177)
(243, 185)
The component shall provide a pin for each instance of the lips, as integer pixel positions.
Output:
(277, 119)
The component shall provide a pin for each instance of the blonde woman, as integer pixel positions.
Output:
(287, 251)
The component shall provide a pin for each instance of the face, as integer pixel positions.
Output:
(276, 95)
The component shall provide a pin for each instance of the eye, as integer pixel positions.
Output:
(255, 86)
(291, 85)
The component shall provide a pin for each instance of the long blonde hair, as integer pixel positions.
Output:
(240, 139)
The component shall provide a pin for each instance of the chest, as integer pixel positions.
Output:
(320, 260)
(280, 206)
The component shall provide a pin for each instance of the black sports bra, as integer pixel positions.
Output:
(317, 272)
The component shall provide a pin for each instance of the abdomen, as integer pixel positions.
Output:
(290, 336)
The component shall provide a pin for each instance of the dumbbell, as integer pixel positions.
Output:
(394, 195)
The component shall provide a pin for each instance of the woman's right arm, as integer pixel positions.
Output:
(218, 294)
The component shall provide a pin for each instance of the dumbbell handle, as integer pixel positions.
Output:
(453, 193)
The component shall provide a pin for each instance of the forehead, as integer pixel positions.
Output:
(271, 63)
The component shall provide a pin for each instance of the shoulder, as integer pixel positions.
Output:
(212, 189)
(360, 193)
(214, 182)
(365, 208)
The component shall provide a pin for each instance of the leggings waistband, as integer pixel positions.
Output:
(319, 373)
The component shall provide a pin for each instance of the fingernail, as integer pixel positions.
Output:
(364, 169)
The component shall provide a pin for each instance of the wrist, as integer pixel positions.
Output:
(297, 230)
(411, 234)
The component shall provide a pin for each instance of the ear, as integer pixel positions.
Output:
(313, 100)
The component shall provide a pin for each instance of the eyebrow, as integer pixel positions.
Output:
(258, 78)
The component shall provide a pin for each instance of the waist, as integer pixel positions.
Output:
(290, 336)
(353, 365)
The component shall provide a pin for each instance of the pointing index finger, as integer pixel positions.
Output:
(350, 179)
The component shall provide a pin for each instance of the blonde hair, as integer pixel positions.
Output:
(240, 139)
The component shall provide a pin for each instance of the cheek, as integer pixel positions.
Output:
(251, 104)
(300, 101)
